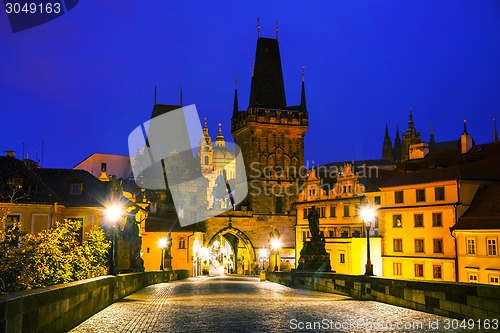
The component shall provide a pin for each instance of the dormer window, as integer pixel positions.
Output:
(75, 188)
(15, 182)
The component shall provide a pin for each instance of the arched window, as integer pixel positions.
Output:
(206, 160)
(182, 243)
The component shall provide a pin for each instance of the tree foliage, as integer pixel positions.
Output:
(50, 257)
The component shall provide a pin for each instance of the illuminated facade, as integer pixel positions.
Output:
(423, 200)
(338, 196)
(477, 234)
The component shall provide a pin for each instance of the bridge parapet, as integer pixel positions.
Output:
(449, 299)
(61, 307)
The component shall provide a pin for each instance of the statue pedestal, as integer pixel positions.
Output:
(314, 257)
(127, 258)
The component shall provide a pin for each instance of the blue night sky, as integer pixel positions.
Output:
(85, 80)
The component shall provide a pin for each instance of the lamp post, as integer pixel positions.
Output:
(113, 213)
(276, 245)
(162, 244)
(368, 213)
(262, 253)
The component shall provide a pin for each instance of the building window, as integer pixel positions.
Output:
(305, 235)
(279, 205)
(398, 245)
(331, 233)
(75, 188)
(305, 213)
(346, 210)
(419, 220)
(492, 246)
(398, 197)
(342, 258)
(206, 160)
(396, 269)
(421, 195)
(494, 279)
(472, 277)
(437, 219)
(147, 250)
(182, 243)
(438, 245)
(376, 201)
(419, 270)
(437, 272)
(471, 246)
(322, 212)
(419, 245)
(396, 221)
(439, 193)
(332, 211)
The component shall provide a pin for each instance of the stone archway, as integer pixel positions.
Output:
(231, 232)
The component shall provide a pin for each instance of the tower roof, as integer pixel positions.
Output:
(303, 106)
(235, 105)
(267, 88)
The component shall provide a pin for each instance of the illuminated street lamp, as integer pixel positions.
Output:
(113, 213)
(262, 254)
(162, 244)
(368, 214)
(276, 245)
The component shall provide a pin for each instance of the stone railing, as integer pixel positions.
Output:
(450, 299)
(61, 307)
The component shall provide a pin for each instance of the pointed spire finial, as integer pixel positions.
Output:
(155, 94)
(181, 97)
(465, 126)
(253, 66)
(410, 113)
(235, 105)
(205, 122)
(303, 106)
(431, 140)
(220, 130)
(258, 27)
(276, 29)
(495, 135)
(386, 130)
(303, 67)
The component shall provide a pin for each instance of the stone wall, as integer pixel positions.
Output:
(450, 299)
(61, 307)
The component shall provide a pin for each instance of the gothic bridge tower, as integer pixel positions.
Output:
(271, 137)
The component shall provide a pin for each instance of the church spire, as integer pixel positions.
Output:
(495, 135)
(397, 152)
(465, 126)
(411, 127)
(431, 140)
(235, 105)
(303, 106)
(387, 153)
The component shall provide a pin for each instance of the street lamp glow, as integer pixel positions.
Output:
(367, 214)
(275, 244)
(113, 212)
(262, 252)
(162, 243)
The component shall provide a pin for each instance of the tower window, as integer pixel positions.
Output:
(279, 205)
(206, 160)
(182, 243)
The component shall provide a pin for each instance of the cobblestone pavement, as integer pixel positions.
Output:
(237, 304)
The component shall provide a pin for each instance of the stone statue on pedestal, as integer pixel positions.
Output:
(313, 256)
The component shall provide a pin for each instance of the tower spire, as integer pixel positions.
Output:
(495, 135)
(258, 27)
(387, 152)
(276, 29)
(303, 106)
(465, 126)
(431, 140)
(235, 105)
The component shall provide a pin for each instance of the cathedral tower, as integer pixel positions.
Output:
(409, 138)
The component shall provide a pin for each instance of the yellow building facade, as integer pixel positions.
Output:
(338, 203)
(477, 234)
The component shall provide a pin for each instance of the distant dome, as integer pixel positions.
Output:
(220, 153)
